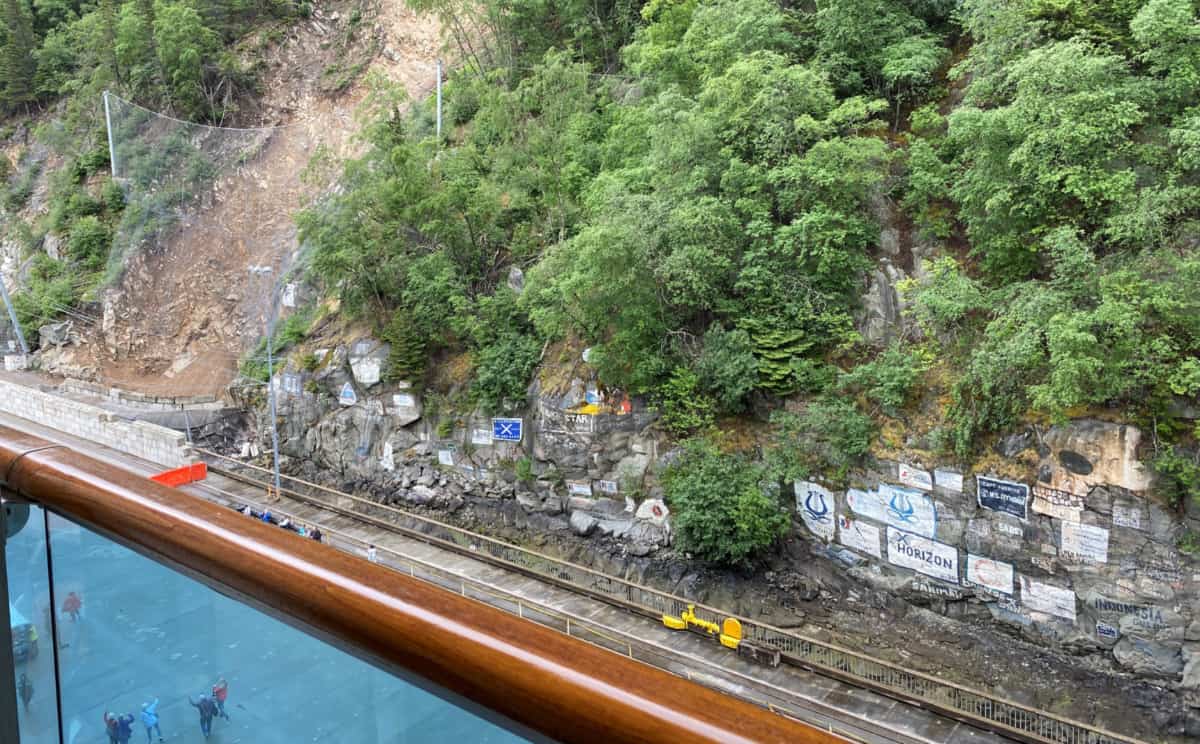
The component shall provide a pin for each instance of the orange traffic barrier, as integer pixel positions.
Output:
(182, 476)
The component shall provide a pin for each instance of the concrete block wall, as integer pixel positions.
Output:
(156, 444)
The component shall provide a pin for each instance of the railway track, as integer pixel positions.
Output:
(975, 708)
(696, 668)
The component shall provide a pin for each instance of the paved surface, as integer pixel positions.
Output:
(805, 693)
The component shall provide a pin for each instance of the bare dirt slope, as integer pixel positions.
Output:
(188, 308)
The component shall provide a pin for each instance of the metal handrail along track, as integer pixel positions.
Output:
(852, 726)
(959, 702)
(540, 679)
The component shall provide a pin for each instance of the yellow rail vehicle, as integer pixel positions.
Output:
(728, 632)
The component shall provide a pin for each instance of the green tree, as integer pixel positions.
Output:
(1049, 155)
(18, 66)
(720, 510)
(181, 43)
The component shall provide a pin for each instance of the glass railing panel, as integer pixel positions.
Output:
(29, 608)
(145, 645)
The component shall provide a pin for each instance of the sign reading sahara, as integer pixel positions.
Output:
(816, 506)
(904, 508)
(923, 556)
(506, 429)
(1084, 541)
(859, 535)
(916, 477)
(1047, 599)
(347, 397)
(990, 574)
(1003, 496)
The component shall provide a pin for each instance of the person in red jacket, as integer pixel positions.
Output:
(110, 727)
(220, 691)
(72, 606)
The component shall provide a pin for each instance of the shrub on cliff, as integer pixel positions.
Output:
(721, 512)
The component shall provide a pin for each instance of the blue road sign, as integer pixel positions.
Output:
(506, 429)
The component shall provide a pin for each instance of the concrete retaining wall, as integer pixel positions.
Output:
(140, 400)
(138, 438)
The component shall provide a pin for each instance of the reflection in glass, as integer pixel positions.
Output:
(33, 648)
(147, 654)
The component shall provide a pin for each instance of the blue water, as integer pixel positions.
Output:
(149, 632)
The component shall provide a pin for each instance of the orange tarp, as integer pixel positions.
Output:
(182, 476)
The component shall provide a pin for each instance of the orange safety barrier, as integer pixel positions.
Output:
(182, 476)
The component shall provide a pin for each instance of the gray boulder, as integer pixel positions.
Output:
(583, 524)
(55, 334)
(1148, 657)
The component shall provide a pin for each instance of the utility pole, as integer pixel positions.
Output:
(12, 315)
(112, 152)
(439, 100)
(266, 271)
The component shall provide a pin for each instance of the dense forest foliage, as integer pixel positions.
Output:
(692, 189)
(57, 57)
(688, 186)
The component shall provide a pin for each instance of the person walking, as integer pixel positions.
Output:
(315, 533)
(207, 711)
(110, 727)
(25, 690)
(372, 554)
(220, 691)
(150, 721)
(73, 606)
(125, 728)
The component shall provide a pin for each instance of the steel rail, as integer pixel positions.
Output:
(540, 680)
(572, 623)
(958, 702)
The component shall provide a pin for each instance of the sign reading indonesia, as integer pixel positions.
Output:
(1003, 496)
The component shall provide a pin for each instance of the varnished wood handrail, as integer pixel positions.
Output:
(555, 685)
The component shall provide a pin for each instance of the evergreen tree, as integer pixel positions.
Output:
(108, 30)
(17, 64)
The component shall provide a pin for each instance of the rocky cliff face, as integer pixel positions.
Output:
(1055, 537)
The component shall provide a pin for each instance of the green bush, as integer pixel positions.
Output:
(524, 470)
(727, 369)
(888, 379)
(829, 437)
(51, 290)
(685, 408)
(503, 370)
(720, 510)
(1179, 472)
(88, 243)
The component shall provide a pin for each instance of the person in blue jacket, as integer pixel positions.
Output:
(150, 720)
(207, 709)
(125, 728)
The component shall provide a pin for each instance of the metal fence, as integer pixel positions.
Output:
(947, 698)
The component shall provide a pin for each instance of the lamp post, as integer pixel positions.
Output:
(267, 271)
